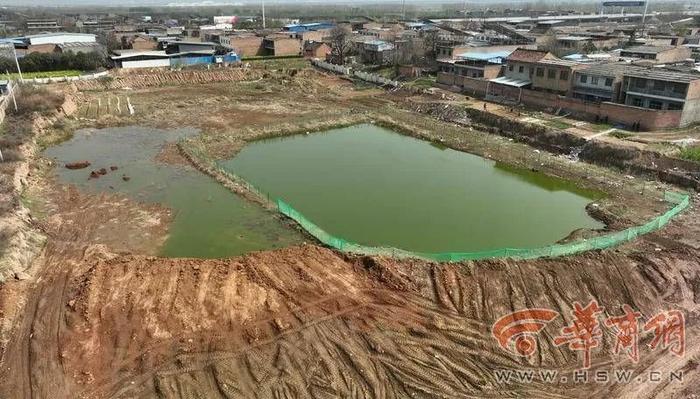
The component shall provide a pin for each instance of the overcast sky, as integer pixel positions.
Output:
(127, 3)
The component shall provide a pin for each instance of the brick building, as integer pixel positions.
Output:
(245, 45)
(657, 54)
(141, 42)
(316, 50)
(280, 46)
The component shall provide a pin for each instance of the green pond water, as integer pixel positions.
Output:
(209, 221)
(375, 187)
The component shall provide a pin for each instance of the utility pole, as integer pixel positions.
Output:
(644, 16)
(14, 51)
(403, 9)
(263, 13)
(464, 10)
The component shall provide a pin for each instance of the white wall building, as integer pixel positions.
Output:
(60, 38)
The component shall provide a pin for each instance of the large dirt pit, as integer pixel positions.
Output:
(121, 302)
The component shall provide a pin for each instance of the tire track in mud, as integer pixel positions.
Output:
(395, 344)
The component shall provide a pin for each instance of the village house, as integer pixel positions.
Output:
(75, 48)
(598, 83)
(316, 50)
(660, 89)
(140, 42)
(476, 65)
(244, 44)
(382, 34)
(42, 25)
(450, 51)
(281, 45)
(554, 75)
(377, 52)
(657, 54)
(521, 64)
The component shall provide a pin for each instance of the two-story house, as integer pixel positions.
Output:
(663, 90)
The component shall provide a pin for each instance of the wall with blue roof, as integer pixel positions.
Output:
(495, 57)
(309, 27)
(202, 60)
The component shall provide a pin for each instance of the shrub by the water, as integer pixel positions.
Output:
(691, 153)
(40, 62)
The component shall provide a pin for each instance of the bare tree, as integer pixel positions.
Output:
(340, 45)
(549, 42)
(589, 48)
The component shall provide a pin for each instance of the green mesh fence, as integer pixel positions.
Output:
(680, 201)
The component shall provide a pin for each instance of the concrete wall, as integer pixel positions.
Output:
(161, 62)
(367, 77)
(332, 67)
(691, 111)
(66, 78)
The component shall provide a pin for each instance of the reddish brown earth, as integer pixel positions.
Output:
(100, 317)
(308, 322)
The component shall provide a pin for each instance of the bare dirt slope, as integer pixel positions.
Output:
(102, 319)
(308, 322)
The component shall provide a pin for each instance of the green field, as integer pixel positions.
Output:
(691, 154)
(287, 62)
(425, 82)
(621, 135)
(47, 74)
(557, 124)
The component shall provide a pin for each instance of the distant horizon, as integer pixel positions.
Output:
(243, 3)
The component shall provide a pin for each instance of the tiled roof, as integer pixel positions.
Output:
(525, 55)
(648, 49)
(559, 62)
(608, 70)
(661, 74)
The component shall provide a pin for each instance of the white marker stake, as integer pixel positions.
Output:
(131, 107)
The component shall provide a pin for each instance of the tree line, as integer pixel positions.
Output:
(43, 62)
